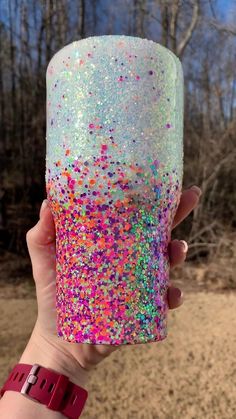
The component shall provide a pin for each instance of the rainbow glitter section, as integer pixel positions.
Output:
(113, 177)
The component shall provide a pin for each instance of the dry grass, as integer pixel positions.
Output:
(189, 375)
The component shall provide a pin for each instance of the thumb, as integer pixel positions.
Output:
(43, 233)
(41, 244)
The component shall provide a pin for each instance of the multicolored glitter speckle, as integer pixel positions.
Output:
(113, 177)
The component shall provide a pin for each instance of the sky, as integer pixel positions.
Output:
(225, 8)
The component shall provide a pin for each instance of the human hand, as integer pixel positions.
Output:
(74, 359)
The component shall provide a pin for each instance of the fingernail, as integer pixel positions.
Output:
(43, 206)
(184, 245)
(179, 294)
(196, 189)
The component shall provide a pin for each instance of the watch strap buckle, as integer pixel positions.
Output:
(31, 379)
(57, 393)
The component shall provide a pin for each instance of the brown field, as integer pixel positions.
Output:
(189, 375)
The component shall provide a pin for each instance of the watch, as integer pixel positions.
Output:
(54, 390)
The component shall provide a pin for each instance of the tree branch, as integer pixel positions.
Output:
(173, 24)
(222, 28)
(186, 37)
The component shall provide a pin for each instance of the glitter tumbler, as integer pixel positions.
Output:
(113, 177)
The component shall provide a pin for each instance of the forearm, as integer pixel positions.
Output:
(14, 405)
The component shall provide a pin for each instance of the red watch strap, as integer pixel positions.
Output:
(48, 387)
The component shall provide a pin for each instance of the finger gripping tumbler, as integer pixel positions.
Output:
(113, 177)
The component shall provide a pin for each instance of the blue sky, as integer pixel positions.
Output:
(225, 8)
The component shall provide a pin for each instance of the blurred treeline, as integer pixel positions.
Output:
(197, 31)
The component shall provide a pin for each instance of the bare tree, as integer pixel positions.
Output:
(31, 32)
(186, 36)
(82, 19)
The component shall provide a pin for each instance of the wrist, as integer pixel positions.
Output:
(42, 350)
(60, 396)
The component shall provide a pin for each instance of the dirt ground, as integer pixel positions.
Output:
(189, 375)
